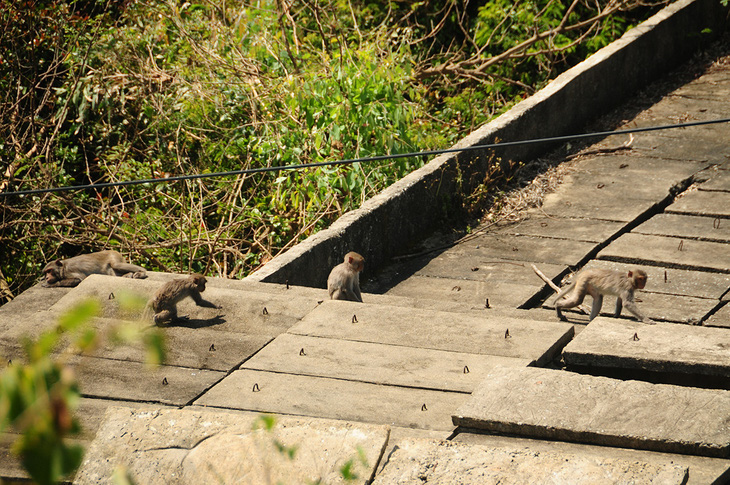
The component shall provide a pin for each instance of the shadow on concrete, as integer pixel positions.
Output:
(185, 322)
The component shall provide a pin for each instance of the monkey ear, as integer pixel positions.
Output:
(58, 263)
(631, 273)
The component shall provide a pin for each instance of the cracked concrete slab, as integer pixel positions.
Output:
(467, 292)
(718, 182)
(606, 187)
(669, 251)
(225, 447)
(272, 392)
(721, 318)
(491, 247)
(376, 363)
(474, 262)
(702, 470)
(560, 405)
(536, 341)
(686, 226)
(611, 343)
(415, 462)
(133, 381)
(539, 225)
(702, 203)
(185, 347)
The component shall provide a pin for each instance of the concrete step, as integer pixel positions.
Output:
(560, 405)
(270, 392)
(669, 252)
(456, 332)
(702, 470)
(416, 462)
(686, 226)
(377, 363)
(664, 352)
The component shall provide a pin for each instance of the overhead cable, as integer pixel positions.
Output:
(282, 168)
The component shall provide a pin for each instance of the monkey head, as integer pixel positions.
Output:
(355, 261)
(199, 281)
(53, 271)
(639, 277)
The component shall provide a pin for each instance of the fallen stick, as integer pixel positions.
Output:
(554, 286)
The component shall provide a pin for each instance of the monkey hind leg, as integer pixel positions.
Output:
(575, 299)
(341, 294)
(165, 316)
(596, 308)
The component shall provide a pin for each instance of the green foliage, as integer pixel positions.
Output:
(158, 87)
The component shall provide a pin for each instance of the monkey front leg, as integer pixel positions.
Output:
(634, 310)
(67, 283)
(619, 305)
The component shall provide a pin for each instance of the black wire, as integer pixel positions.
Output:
(361, 160)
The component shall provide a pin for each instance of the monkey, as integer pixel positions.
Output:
(165, 301)
(343, 282)
(599, 282)
(70, 272)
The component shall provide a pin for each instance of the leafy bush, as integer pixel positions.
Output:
(154, 88)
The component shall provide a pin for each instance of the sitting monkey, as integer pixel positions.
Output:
(165, 301)
(343, 282)
(70, 272)
(600, 282)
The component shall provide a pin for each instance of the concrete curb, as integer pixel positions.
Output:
(410, 209)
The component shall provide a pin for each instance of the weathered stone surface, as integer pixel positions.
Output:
(473, 262)
(720, 181)
(376, 363)
(702, 469)
(679, 282)
(536, 341)
(559, 405)
(468, 293)
(686, 226)
(195, 447)
(490, 247)
(721, 318)
(539, 225)
(601, 189)
(446, 462)
(269, 392)
(669, 251)
(664, 347)
(702, 203)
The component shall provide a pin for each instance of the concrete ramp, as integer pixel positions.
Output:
(415, 462)
(559, 405)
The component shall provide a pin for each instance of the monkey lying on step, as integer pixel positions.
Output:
(70, 272)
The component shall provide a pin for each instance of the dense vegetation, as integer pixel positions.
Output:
(95, 90)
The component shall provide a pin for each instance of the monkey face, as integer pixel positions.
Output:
(52, 271)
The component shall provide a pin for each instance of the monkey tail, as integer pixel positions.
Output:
(564, 292)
